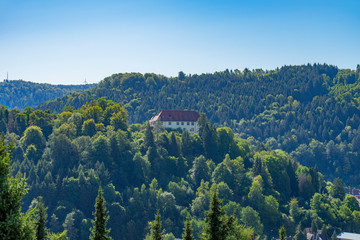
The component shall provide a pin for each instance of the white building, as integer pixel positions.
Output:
(174, 119)
(348, 236)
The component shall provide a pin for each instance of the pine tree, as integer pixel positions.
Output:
(282, 233)
(41, 231)
(187, 230)
(217, 224)
(13, 223)
(99, 231)
(156, 233)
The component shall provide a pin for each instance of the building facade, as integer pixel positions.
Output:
(175, 119)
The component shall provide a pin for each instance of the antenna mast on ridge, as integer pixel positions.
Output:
(85, 82)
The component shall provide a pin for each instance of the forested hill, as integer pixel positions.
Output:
(67, 156)
(21, 94)
(309, 110)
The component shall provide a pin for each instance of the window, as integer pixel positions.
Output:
(187, 123)
(192, 124)
(182, 123)
(177, 123)
(192, 129)
(169, 123)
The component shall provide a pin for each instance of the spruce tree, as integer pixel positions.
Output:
(99, 231)
(217, 224)
(187, 235)
(41, 231)
(282, 233)
(13, 223)
(156, 233)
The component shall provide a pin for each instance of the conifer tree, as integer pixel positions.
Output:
(41, 231)
(282, 233)
(99, 231)
(256, 169)
(156, 233)
(13, 223)
(187, 230)
(217, 224)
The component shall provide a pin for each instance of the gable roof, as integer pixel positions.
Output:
(177, 115)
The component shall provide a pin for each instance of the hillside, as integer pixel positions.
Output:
(311, 111)
(67, 156)
(21, 94)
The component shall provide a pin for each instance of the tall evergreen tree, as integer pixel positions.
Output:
(187, 235)
(13, 223)
(156, 233)
(282, 233)
(41, 231)
(217, 224)
(99, 231)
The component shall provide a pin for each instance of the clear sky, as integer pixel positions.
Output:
(66, 41)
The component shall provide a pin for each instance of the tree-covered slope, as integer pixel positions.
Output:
(311, 111)
(21, 94)
(67, 156)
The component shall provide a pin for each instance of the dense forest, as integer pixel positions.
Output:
(21, 94)
(67, 156)
(310, 111)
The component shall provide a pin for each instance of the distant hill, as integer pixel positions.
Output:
(312, 111)
(21, 94)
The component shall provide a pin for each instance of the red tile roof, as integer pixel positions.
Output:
(177, 115)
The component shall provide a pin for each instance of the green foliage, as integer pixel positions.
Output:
(187, 235)
(156, 232)
(61, 236)
(41, 230)
(251, 219)
(282, 233)
(21, 94)
(99, 231)
(338, 190)
(13, 223)
(309, 110)
(217, 225)
(142, 170)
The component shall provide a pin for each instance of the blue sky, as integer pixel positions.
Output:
(66, 41)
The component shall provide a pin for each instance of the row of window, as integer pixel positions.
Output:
(183, 123)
